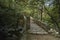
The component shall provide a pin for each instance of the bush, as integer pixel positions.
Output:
(8, 23)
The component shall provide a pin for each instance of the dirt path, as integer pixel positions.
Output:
(41, 37)
(37, 33)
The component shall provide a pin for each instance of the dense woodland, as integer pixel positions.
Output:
(11, 11)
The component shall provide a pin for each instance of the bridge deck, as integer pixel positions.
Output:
(37, 33)
(34, 28)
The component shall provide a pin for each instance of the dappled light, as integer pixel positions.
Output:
(29, 19)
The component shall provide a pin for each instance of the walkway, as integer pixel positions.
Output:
(35, 29)
(37, 33)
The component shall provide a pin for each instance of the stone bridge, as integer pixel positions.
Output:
(37, 33)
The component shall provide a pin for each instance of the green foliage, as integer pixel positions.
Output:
(8, 23)
(11, 9)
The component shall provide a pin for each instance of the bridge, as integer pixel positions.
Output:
(36, 32)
